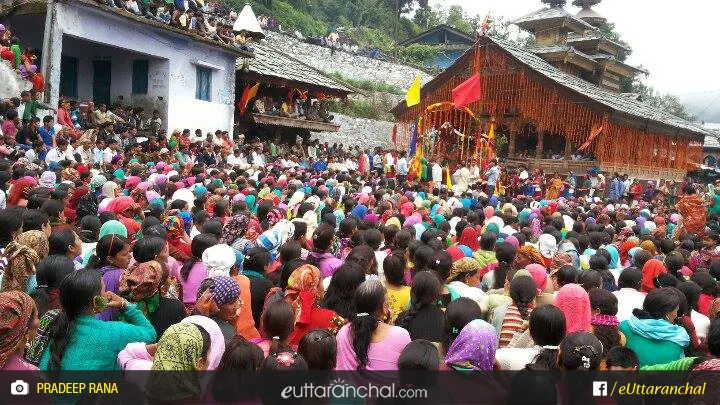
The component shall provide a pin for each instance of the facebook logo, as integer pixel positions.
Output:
(600, 389)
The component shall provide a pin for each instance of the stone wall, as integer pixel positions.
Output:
(349, 65)
(358, 131)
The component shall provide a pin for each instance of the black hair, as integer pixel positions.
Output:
(547, 326)
(89, 229)
(34, 220)
(706, 282)
(692, 293)
(213, 226)
(458, 314)
(257, 259)
(77, 292)
(567, 274)
(108, 246)
(420, 360)
(394, 269)
(50, 272)
(641, 257)
(319, 348)
(713, 338)
(369, 300)
(10, 222)
(522, 292)
(505, 254)
(487, 241)
(631, 277)
(340, 292)
(364, 256)
(197, 247)
(60, 241)
(322, 239)
(590, 279)
(442, 265)
(620, 356)
(580, 351)
(148, 248)
(289, 250)
(425, 291)
(277, 322)
(372, 238)
(658, 303)
(607, 304)
(53, 208)
(674, 261)
(598, 262)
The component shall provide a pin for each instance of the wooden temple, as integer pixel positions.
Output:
(552, 114)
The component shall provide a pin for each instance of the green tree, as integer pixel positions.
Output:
(663, 101)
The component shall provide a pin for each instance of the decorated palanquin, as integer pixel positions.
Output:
(530, 102)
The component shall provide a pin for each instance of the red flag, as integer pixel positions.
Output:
(249, 93)
(394, 135)
(467, 92)
(592, 136)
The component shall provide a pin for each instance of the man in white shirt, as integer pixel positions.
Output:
(402, 169)
(628, 293)
(110, 151)
(258, 159)
(524, 174)
(59, 153)
(312, 150)
(437, 174)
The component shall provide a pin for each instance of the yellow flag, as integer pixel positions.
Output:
(448, 183)
(491, 134)
(413, 95)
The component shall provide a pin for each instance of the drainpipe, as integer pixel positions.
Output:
(47, 46)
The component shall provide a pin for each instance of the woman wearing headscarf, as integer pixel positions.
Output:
(650, 272)
(183, 351)
(18, 194)
(473, 350)
(18, 325)
(125, 209)
(139, 356)
(233, 233)
(48, 180)
(574, 302)
(464, 279)
(527, 255)
(109, 191)
(469, 238)
(625, 252)
(72, 205)
(219, 299)
(560, 259)
(23, 254)
(178, 240)
(304, 292)
(143, 284)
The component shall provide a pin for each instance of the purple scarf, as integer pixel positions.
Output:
(475, 347)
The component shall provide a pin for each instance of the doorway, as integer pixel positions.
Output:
(102, 77)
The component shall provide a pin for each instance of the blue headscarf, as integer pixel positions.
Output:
(614, 256)
(187, 220)
(359, 211)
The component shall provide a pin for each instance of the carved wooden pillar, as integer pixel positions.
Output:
(539, 149)
(511, 144)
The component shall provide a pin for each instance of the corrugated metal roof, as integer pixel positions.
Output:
(271, 62)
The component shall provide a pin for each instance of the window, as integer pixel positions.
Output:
(140, 76)
(203, 85)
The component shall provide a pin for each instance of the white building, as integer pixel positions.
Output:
(92, 52)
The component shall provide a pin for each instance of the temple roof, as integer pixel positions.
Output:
(284, 68)
(601, 57)
(442, 27)
(552, 16)
(591, 16)
(594, 35)
(540, 50)
(614, 102)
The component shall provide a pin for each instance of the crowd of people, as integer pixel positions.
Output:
(211, 252)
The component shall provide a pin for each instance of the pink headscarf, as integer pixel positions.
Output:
(539, 275)
(574, 302)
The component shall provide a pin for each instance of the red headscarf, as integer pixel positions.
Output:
(650, 271)
(469, 238)
(625, 249)
(574, 302)
(19, 190)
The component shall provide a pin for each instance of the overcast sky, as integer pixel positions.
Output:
(677, 41)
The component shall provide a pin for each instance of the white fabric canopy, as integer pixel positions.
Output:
(247, 22)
